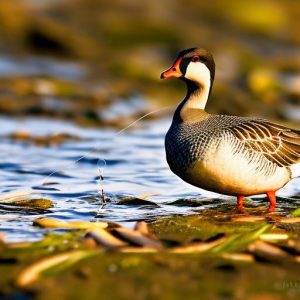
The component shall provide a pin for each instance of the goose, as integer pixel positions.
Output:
(230, 155)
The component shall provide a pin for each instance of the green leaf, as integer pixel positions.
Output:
(239, 242)
(296, 213)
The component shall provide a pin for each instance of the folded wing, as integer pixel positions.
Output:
(278, 143)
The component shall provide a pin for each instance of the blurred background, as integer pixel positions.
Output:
(75, 72)
(98, 62)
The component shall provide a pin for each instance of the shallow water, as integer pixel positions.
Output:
(135, 166)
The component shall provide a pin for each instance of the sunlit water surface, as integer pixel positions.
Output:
(135, 165)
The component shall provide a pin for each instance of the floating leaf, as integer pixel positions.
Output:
(38, 269)
(55, 223)
(26, 199)
(35, 203)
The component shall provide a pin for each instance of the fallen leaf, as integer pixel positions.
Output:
(198, 247)
(138, 250)
(239, 256)
(36, 271)
(142, 227)
(105, 239)
(273, 236)
(248, 219)
(136, 238)
(55, 223)
(267, 251)
(290, 220)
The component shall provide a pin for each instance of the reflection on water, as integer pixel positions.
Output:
(135, 165)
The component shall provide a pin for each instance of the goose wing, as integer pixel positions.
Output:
(278, 143)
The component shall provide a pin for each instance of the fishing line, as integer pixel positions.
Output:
(100, 187)
(101, 169)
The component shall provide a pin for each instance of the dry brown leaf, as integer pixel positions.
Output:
(274, 236)
(136, 238)
(290, 220)
(138, 250)
(248, 219)
(105, 239)
(267, 251)
(142, 227)
(35, 271)
(197, 247)
(55, 223)
(239, 256)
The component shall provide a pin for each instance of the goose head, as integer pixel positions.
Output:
(195, 66)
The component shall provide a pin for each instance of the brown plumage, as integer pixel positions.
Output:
(278, 143)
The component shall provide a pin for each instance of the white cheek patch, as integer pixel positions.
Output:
(199, 73)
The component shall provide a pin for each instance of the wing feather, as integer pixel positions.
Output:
(278, 143)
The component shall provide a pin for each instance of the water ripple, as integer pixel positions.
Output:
(135, 166)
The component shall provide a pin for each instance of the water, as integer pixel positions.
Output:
(135, 166)
(34, 66)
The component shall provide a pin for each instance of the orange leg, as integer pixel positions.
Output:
(240, 199)
(272, 198)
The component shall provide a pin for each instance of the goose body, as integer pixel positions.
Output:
(230, 155)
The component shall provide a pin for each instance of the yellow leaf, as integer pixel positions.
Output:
(35, 271)
(55, 223)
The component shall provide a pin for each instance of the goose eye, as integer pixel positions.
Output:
(196, 58)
